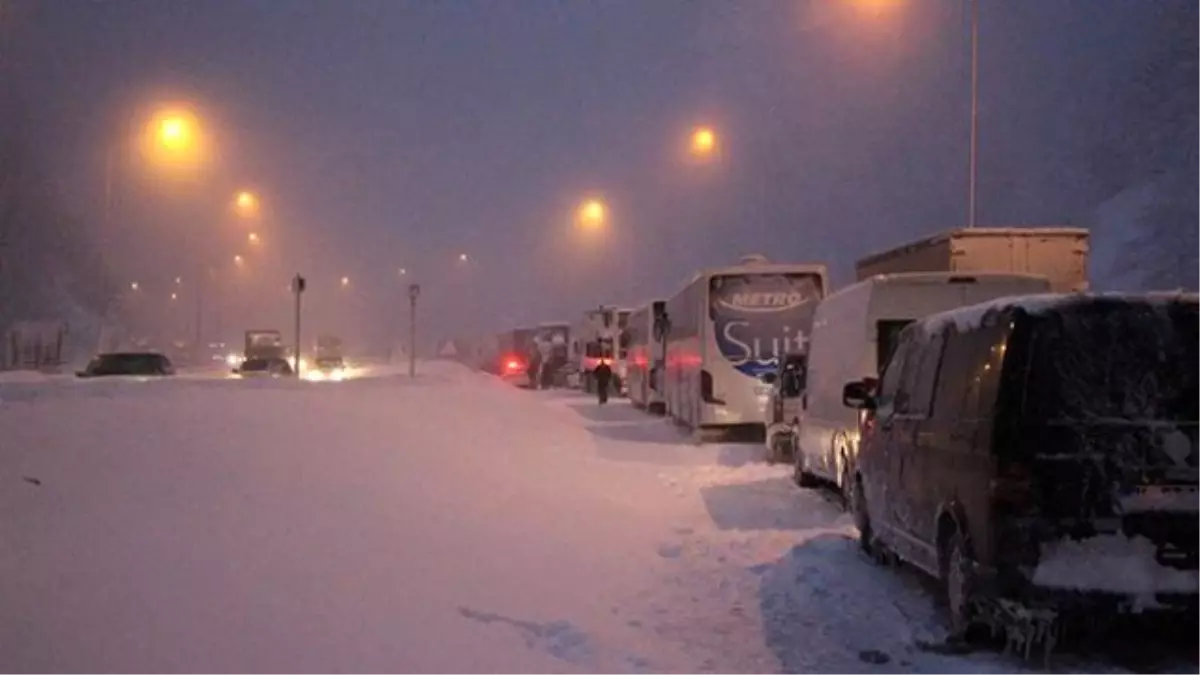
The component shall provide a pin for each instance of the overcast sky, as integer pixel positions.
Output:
(386, 134)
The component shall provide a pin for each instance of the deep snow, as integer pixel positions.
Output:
(452, 523)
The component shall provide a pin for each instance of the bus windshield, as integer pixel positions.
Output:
(758, 317)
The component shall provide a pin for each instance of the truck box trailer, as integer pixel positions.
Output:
(1058, 253)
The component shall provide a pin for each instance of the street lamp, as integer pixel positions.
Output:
(246, 204)
(133, 286)
(345, 282)
(239, 260)
(877, 7)
(402, 271)
(592, 213)
(174, 138)
(253, 238)
(463, 257)
(704, 142)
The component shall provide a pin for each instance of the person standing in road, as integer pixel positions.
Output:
(603, 374)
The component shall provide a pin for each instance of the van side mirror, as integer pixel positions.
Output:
(858, 395)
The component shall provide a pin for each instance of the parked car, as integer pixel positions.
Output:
(854, 333)
(142, 364)
(787, 385)
(1042, 451)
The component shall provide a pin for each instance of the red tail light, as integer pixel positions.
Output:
(513, 365)
(1013, 485)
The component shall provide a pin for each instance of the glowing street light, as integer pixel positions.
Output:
(402, 271)
(174, 296)
(133, 285)
(463, 257)
(178, 280)
(239, 260)
(876, 7)
(175, 133)
(592, 213)
(246, 203)
(704, 141)
(253, 238)
(345, 282)
(173, 137)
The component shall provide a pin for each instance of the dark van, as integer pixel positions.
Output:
(1041, 451)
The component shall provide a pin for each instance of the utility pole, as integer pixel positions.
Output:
(414, 292)
(298, 285)
(972, 201)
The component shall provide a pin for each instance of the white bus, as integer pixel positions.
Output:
(647, 357)
(726, 329)
(601, 336)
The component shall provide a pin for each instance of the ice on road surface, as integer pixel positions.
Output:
(447, 523)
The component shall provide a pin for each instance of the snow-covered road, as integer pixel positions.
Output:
(450, 523)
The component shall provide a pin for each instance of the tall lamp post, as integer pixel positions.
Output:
(972, 205)
(414, 292)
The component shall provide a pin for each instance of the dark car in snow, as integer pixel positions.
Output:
(1039, 454)
(265, 367)
(129, 364)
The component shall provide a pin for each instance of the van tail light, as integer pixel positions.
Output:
(513, 365)
(1013, 485)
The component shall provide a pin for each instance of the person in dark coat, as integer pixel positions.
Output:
(603, 375)
(535, 368)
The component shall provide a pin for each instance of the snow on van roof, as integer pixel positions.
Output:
(944, 277)
(972, 316)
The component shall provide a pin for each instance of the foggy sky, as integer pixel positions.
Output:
(387, 134)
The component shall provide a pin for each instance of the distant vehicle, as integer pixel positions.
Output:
(141, 364)
(1040, 451)
(728, 327)
(647, 357)
(329, 346)
(854, 333)
(601, 336)
(1058, 253)
(507, 354)
(787, 383)
(265, 367)
(264, 344)
(556, 335)
(327, 367)
(514, 369)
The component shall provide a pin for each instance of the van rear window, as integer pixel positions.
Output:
(1116, 360)
(887, 336)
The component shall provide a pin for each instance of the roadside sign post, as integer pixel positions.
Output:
(414, 292)
(298, 284)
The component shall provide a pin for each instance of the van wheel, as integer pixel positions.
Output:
(862, 520)
(847, 488)
(957, 584)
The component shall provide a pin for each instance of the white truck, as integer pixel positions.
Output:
(1058, 253)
